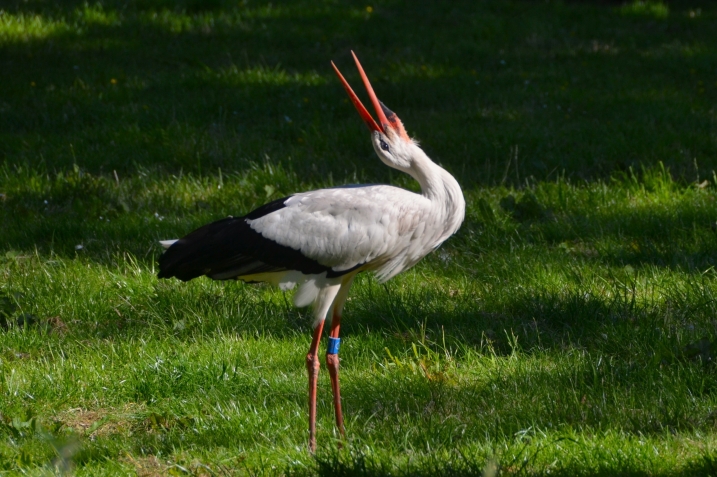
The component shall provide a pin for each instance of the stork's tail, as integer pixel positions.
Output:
(198, 253)
(167, 243)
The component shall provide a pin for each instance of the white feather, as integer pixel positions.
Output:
(309, 290)
(290, 279)
(387, 228)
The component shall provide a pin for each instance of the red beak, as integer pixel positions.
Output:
(383, 121)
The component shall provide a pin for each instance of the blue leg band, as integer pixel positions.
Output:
(333, 347)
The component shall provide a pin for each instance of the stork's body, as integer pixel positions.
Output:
(320, 240)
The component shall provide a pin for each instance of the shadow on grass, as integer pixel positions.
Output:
(195, 86)
(462, 466)
(681, 237)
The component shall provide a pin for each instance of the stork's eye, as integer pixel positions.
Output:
(384, 145)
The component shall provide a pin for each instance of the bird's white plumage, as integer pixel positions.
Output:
(345, 227)
(387, 228)
(379, 228)
(375, 227)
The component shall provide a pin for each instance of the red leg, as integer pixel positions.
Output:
(322, 303)
(332, 362)
(312, 366)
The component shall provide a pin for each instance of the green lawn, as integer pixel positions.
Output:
(569, 328)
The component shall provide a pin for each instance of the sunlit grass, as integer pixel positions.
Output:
(235, 76)
(24, 27)
(652, 8)
(181, 22)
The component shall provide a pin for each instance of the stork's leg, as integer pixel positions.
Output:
(312, 366)
(321, 306)
(332, 351)
(332, 362)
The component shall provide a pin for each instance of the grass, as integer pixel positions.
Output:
(567, 329)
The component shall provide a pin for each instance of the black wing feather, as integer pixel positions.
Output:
(230, 248)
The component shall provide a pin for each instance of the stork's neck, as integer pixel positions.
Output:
(441, 188)
(436, 183)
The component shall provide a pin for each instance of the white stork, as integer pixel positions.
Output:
(320, 240)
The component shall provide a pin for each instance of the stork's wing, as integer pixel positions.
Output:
(328, 230)
(346, 227)
(229, 248)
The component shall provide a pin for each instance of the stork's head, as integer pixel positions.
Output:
(390, 140)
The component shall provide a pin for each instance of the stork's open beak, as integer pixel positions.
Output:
(386, 118)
